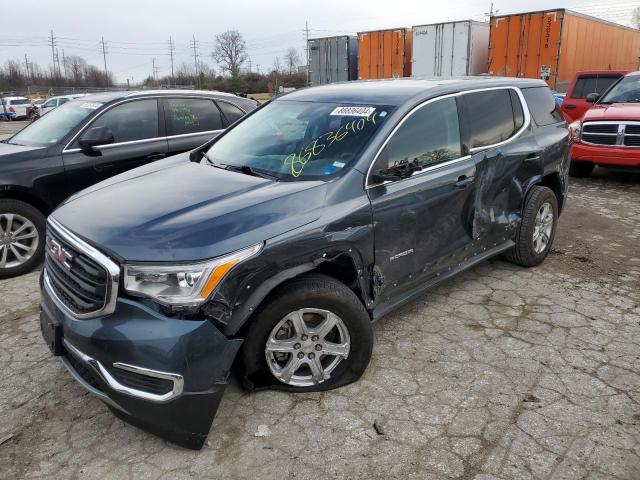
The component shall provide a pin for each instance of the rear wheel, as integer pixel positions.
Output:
(537, 229)
(22, 230)
(581, 169)
(313, 334)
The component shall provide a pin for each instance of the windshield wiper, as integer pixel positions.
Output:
(246, 169)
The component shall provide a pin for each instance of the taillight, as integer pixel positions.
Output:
(574, 131)
(12, 110)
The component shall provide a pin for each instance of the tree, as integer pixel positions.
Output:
(277, 65)
(635, 18)
(292, 60)
(230, 51)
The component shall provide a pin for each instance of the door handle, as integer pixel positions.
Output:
(155, 156)
(463, 181)
(570, 106)
(532, 157)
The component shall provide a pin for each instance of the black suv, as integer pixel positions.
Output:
(88, 140)
(285, 237)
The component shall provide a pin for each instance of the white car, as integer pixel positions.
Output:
(17, 106)
(54, 102)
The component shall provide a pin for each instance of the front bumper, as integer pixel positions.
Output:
(163, 375)
(606, 155)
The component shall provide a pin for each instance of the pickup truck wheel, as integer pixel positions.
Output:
(22, 230)
(313, 334)
(537, 229)
(581, 169)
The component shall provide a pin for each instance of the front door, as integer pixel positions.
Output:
(138, 140)
(422, 224)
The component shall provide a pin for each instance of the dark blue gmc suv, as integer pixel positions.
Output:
(280, 241)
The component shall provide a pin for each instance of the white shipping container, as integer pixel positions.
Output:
(450, 49)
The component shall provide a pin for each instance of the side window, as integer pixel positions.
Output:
(50, 103)
(231, 112)
(542, 106)
(63, 100)
(429, 136)
(593, 84)
(489, 117)
(192, 115)
(518, 113)
(129, 121)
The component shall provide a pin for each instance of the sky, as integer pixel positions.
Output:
(137, 31)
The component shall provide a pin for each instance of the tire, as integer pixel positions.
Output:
(581, 169)
(20, 214)
(319, 293)
(524, 252)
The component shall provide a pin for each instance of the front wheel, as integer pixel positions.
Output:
(581, 169)
(537, 229)
(22, 230)
(313, 334)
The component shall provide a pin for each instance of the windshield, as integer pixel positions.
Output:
(626, 90)
(299, 140)
(55, 125)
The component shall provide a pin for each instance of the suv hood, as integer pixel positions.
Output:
(615, 111)
(187, 211)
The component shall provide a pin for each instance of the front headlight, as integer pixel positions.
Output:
(183, 285)
(574, 130)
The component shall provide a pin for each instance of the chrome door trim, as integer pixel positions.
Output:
(185, 135)
(525, 125)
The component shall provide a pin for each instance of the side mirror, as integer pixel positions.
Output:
(592, 97)
(95, 137)
(398, 172)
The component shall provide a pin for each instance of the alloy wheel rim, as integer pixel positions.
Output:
(306, 346)
(542, 228)
(19, 240)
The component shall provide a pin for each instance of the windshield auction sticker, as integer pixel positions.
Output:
(353, 111)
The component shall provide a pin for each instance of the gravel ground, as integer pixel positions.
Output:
(501, 373)
(7, 129)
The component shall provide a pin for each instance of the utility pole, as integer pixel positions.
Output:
(491, 12)
(249, 61)
(52, 42)
(104, 57)
(155, 69)
(64, 63)
(26, 65)
(171, 52)
(306, 46)
(258, 68)
(58, 62)
(194, 44)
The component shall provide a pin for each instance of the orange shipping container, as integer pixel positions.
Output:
(384, 54)
(555, 44)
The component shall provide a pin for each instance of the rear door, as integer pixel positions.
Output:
(190, 122)
(138, 139)
(506, 155)
(422, 224)
(575, 104)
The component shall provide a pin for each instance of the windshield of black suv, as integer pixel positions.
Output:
(626, 90)
(295, 140)
(55, 125)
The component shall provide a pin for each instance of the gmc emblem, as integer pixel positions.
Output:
(58, 252)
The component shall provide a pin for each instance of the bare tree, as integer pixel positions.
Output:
(230, 51)
(75, 66)
(292, 60)
(635, 18)
(277, 65)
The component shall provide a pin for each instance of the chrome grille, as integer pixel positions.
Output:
(81, 280)
(619, 134)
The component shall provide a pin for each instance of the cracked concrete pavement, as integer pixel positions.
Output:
(501, 373)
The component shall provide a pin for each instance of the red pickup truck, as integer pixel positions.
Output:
(609, 132)
(594, 81)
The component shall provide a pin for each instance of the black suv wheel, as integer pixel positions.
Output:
(313, 334)
(22, 229)
(537, 229)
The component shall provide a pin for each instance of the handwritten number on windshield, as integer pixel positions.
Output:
(317, 145)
